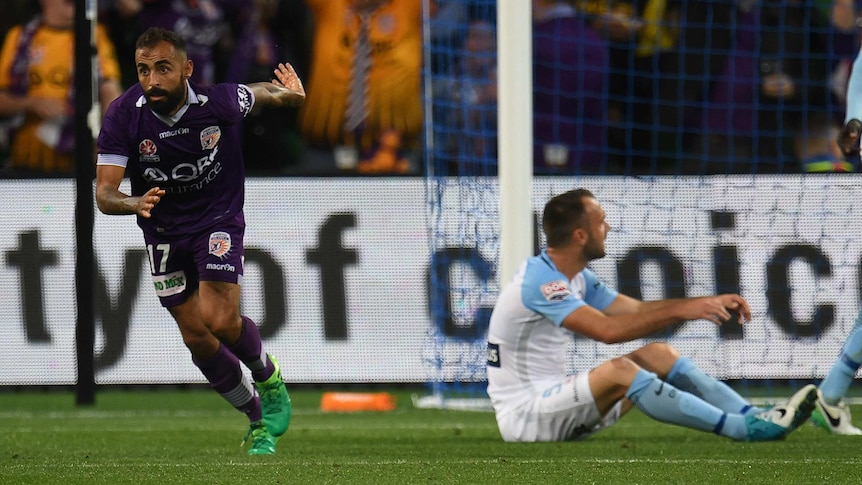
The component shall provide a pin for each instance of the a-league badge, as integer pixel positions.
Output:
(147, 151)
(219, 244)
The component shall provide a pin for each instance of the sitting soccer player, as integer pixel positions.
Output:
(554, 295)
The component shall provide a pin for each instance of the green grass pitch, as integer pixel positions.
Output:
(192, 437)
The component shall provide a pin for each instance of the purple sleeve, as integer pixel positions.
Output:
(113, 138)
(232, 102)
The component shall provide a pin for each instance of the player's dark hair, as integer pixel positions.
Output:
(152, 36)
(563, 214)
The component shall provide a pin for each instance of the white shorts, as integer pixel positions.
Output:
(563, 412)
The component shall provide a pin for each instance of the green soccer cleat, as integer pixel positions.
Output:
(834, 418)
(262, 443)
(275, 402)
(778, 421)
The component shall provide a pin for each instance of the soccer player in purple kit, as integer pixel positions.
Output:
(179, 144)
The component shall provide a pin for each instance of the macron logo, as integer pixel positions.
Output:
(221, 267)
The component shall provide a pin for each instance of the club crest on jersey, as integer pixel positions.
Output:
(210, 137)
(219, 244)
(556, 291)
(147, 151)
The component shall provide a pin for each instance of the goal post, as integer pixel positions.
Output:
(515, 141)
(502, 206)
(86, 102)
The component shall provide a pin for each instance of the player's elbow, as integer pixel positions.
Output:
(103, 202)
(612, 339)
(103, 208)
(595, 327)
(608, 336)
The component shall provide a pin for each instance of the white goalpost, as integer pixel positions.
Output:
(515, 152)
(454, 359)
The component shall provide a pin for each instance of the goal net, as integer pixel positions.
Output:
(707, 132)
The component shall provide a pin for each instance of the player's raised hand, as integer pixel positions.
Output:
(285, 76)
(147, 201)
(285, 90)
(848, 139)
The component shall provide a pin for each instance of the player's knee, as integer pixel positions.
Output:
(610, 380)
(224, 325)
(623, 366)
(661, 349)
(200, 344)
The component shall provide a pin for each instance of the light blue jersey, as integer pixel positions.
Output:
(526, 342)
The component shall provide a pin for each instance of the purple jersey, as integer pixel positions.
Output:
(195, 156)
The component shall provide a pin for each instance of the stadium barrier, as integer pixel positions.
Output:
(338, 269)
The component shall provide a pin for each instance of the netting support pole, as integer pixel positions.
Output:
(515, 129)
(85, 327)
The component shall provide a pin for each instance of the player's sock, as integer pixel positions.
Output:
(838, 380)
(689, 377)
(249, 349)
(224, 374)
(664, 402)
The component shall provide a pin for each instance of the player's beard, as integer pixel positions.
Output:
(595, 249)
(171, 102)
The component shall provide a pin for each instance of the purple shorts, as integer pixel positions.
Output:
(179, 263)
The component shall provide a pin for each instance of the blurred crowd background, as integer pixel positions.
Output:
(408, 87)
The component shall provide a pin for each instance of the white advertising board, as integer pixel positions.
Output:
(337, 276)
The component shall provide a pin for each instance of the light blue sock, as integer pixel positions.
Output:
(664, 402)
(834, 386)
(687, 376)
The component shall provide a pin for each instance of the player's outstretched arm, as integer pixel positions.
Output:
(628, 318)
(285, 90)
(111, 201)
(614, 329)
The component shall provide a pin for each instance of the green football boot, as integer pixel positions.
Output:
(262, 443)
(275, 402)
(834, 418)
